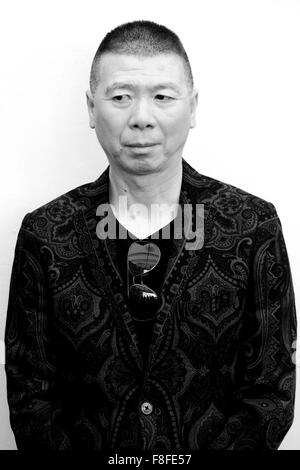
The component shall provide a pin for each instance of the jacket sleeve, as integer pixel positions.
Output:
(36, 412)
(266, 386)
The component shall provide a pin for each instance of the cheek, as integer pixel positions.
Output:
(177, 124)
(110, 124)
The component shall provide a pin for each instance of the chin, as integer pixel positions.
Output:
(142, 166)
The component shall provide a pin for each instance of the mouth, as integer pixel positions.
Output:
(140, 145)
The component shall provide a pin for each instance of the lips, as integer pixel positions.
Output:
(139, 144)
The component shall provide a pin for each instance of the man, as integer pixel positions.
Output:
(140, 342)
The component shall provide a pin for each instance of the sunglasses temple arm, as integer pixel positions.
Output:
(127, 278)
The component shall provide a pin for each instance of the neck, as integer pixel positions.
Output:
(154, 188)
(158, 193)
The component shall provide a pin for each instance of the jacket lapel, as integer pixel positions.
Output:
(195, 189)
(101, 257)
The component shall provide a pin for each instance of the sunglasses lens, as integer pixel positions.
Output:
(144, 301)
(142, 258)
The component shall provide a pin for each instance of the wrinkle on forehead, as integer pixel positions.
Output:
(133, 69)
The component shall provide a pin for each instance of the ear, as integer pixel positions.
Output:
(90, 105)
(194, 104)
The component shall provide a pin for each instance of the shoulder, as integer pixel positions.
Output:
(58, 213)
(227, 200)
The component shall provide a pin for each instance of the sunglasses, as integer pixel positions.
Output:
(142, 258)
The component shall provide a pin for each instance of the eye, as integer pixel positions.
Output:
(164, 98)
(121, 98)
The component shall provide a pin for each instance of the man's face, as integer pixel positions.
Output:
(142, 111)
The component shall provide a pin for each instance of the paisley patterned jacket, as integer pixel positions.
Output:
(220, 372)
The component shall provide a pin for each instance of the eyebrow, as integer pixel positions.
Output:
(131, 86)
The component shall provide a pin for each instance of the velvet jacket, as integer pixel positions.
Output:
(220, 372)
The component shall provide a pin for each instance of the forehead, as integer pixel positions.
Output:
(141, 69)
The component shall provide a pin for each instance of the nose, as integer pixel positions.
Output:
(141, 114)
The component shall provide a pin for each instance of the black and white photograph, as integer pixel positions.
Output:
(149, 240)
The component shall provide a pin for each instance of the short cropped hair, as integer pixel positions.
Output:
(140, 38)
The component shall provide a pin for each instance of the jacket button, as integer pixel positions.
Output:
(146, 408)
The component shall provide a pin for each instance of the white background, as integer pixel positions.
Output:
(245, 59)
